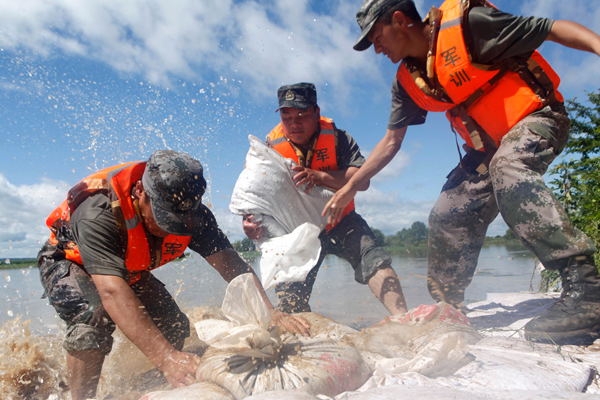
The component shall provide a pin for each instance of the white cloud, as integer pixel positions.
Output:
(389, 212)
(394, 169)
(23, 213)
(263, 43)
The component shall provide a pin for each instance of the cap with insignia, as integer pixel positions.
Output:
(299, 95)
(367, 17)
(174, 183)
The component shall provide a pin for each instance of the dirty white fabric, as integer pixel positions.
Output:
(265, 188)
(248, 329)
(245, 358)
(291, 219)
(502, 365)
(289, 258)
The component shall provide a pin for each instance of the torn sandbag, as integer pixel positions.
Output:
(247, 357)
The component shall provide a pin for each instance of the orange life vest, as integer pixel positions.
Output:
(325, 152)
(117, 182)
(484, 100)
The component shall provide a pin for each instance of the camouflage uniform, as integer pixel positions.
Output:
(513, 186)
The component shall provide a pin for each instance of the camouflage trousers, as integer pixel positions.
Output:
(513, 186)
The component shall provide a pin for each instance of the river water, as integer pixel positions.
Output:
(194, 283)
(32, 364)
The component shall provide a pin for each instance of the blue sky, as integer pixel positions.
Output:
(85, 85)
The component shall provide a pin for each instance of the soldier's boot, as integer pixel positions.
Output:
(575, 318)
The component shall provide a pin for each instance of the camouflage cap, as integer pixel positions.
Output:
(299, 95)
(175, 185)
(367, 17)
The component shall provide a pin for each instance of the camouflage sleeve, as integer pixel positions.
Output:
(348, 152)
(100, 245)
(209, 239)
(405, 111)
(493, 35)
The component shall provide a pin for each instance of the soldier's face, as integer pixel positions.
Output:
(391, 39)
(299, 125)
(146, 210)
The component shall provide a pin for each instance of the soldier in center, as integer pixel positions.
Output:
(327, 156)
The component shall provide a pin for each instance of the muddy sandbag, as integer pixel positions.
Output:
(198, 391)
(324, 327)
(431, 340)
(246, 356)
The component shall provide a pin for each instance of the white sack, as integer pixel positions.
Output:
(289, 258)
(265, 188)
(291, 219)
(247, 359)
(249, 319)
(432, 340)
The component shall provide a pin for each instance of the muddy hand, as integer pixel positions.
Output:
(180, 368)
(290, 323)
(253, 230)
(305, 175)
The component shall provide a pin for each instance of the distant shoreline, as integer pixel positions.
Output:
(250, 256)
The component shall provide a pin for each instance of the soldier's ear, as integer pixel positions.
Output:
(399, 19)
(138, 189)
(318, 112)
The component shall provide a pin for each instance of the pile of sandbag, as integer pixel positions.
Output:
(246, 356)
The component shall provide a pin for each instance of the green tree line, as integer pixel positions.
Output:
(577, 177)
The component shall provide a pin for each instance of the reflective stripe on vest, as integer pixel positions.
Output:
(120, 179)
(325, 157)
(498, 105)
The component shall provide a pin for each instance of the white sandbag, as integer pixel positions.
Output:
(248, 328)
(198, 391)
(399, 391)
(431, 340)
(265, 188)
(503, 364)
(263, 361)
(289, 258)
(291, 219)
(319, 366)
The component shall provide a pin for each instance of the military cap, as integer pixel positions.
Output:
(174, 183)
(367, 16)
(299, 95)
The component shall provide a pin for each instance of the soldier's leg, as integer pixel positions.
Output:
(540, 221)
(353, 240)
(458, 223)
(294, 296)
(525, 202)
(88, 339)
